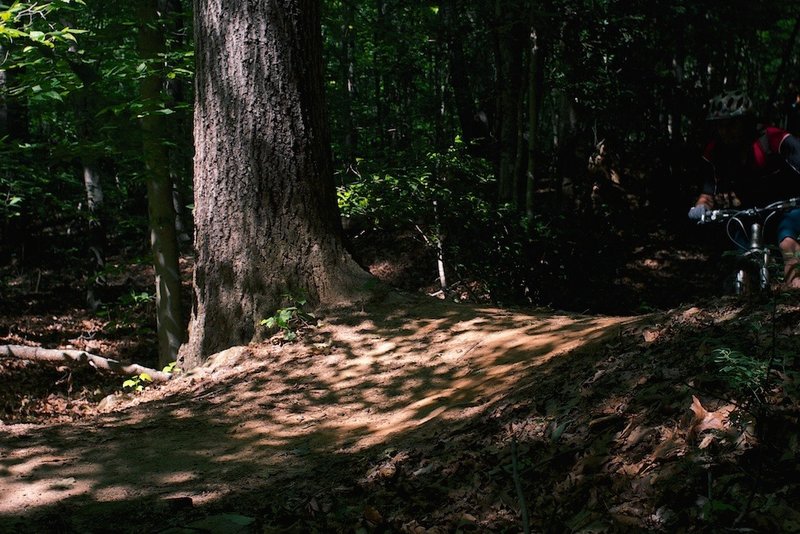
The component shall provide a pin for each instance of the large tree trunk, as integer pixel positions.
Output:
(161, 213)
(266, 219)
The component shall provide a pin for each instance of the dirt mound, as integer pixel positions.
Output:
(415, 415)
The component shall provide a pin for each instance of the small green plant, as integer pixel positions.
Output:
(134, 299)
(137, 383)
(288, 320)
(740, 370)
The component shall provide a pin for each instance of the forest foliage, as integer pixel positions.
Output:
(465, 126)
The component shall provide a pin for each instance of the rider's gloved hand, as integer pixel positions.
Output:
(697, 212)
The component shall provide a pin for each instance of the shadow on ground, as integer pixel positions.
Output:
(263, 426)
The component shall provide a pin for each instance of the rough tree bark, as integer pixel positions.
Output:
(266, 219)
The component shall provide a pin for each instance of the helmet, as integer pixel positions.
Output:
(729, 105)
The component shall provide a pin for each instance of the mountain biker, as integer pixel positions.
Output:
(748, 164)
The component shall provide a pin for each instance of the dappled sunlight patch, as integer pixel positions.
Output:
(44, 491)
(178, 477)
(113, 493)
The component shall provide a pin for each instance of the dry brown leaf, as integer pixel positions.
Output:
(707, 440)
(650, 334)
(704, 420)
(637, 435)
(669, 448)
(373, 516)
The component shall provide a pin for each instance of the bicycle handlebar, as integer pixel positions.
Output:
(727, 214)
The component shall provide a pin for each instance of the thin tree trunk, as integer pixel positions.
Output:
(474, 133)
(95, 200)
(535, 100)
(377, 65)
(14, 126)
(13, 111)
(348, 67)
(521, 150)
(509, 77)
(87, 103)
(96, 233)
(179, 128)
(163, 239)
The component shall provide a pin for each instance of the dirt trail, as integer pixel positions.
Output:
(266, 415)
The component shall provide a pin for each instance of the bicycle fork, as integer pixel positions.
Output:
(757, 256)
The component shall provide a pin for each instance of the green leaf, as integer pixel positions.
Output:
(36, 35)
(285, 315)
(129, 383)
(146, 377)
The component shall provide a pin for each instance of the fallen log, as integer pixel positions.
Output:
(40, 354)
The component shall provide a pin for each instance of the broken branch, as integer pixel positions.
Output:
(78, 356)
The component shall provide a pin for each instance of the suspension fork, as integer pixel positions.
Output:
(759, 254)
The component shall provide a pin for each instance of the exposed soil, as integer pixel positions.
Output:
(413, 414)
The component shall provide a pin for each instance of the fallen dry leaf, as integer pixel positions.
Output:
(373, 516)
(704, 420)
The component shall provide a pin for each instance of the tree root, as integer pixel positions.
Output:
(78, 356)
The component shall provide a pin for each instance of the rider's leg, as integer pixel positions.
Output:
(788, 230)
(790, 249)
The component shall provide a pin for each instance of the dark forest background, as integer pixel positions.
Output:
(509, 151)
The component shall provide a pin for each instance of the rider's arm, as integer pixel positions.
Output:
(790, 150)
(706, 197)
(705, 200)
